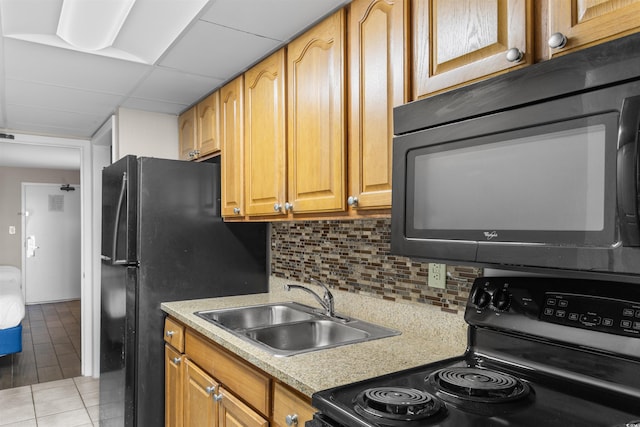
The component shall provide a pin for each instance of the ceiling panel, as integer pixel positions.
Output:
(276, 19)
(218, 52)
(53, 122)
(175, 86)
(58, 98)
(67, 68)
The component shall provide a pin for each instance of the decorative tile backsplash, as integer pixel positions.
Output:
(353, 255)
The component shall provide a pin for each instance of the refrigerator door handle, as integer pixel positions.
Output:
(123, 193)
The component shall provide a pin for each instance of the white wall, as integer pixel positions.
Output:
(142, 133)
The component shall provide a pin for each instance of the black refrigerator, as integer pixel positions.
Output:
(162, 240)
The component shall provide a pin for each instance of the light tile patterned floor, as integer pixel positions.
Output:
(62, 403)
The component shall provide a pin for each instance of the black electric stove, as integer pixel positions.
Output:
(541, 352)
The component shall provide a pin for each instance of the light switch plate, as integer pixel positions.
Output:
(437, 275)
(12, 229)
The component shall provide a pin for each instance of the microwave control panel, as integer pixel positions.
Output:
(595, 313)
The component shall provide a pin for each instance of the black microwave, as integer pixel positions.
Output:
(535, 168)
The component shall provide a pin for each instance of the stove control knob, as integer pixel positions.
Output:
(501, 299)
(480, 298)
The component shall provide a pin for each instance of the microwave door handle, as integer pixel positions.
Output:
(114, 240)
(627, 171)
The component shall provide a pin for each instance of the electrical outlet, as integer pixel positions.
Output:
(437, 275)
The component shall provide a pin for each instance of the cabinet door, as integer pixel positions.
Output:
(288, 406)
(208, 124)
(378, 82)
(585, 22)
(173, 384)
(265, 136)
(200, 409)
(231, 137)
(460, 41)
(316, 118)
(187, 134)
(234, 413)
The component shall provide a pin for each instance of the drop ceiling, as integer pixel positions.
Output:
(168, 55)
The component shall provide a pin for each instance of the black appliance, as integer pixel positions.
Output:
(162, 240)
(535, 168)
(541, 352)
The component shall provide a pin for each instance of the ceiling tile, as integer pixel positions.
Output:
(51, 122)
(277, 19)
(218, 52)
(154, 106)
(33, 62)
(30, 16)
(175, 87)
(38, 95)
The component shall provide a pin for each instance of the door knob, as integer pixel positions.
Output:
(514, 55)
(292, 420)
(557, 41)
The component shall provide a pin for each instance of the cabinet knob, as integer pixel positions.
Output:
(514, 55)
(170, 333)
(210, 389)
(177, 360)
(277, 207)
(291, 420)
(352, 201)
(288, 206)
(236, 211)
(557, 41)
(217, 397)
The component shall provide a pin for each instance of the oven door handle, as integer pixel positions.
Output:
(627, 172)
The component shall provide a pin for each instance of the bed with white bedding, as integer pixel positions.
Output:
(11, 310)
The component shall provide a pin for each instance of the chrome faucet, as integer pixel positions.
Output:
(326, 301)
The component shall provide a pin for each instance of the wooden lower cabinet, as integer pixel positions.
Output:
(173, 376)
(200, 391)
(234, 413)
(289, 409)
(208, 386)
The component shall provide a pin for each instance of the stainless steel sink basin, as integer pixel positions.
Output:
(306, 335)
(286, 329)
(258, 315)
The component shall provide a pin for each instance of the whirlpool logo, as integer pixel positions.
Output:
(492, 235)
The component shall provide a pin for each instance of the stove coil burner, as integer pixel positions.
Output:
(398, 403)
(479, 385)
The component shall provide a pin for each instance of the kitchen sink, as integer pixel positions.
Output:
(310, 334)
(286, 329)
(258, 315)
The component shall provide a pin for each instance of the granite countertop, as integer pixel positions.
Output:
(428, 335)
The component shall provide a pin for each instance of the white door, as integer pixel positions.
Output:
(51, 236)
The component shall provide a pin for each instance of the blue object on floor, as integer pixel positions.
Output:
(11, 340)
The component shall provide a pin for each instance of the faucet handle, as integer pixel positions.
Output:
(328, 296)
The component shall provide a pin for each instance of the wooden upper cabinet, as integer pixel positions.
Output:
(187, 134)
(378, 78)
(461, 41)
(265, 149)
(231, 138)
(588, 22)
(316, 134)
(208, 125)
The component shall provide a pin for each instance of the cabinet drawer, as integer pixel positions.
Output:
(242, 379)
(289, 406)
(174, 334)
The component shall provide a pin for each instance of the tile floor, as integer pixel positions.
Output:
(50, 346)
(71, 402)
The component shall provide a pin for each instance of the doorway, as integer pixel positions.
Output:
(52, 235)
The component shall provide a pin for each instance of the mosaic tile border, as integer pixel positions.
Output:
(353, 255)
